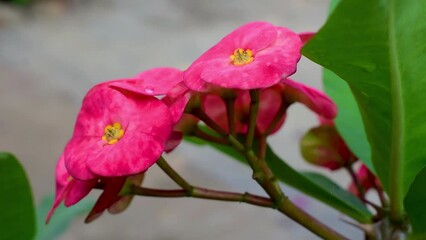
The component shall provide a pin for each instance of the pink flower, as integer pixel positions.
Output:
(166, 84)
(256, 55)
(273, 100)
(117, 133)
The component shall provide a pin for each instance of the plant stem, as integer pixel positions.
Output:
(254, 107)
(199, 113)
(204, 193)
(398, 135)
(174, 175)
(262, 147)
(230, 111)
(278, 116)
(379, 190)
(355, 180)
(208, 137)
(265, 178)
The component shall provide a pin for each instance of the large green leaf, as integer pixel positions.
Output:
(61, 219)
(378, 48)
(348, 120)
(17, 215)
(415, 205)
(312, 184)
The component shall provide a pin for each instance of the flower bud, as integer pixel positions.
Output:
(323, 146)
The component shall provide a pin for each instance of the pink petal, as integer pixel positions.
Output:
(77, 152)
(270, 103)
(124, 201)
(254, 75)
(131, 155)
(177, 100)
(59, 196)
(254, 36)
(79, 190)
(108, 197)
(270, 65)
(156, 81)
(61, 173)
(192, 78)
(173, 141)
(312, 98)
(306, 36)
(65, 186)
(214, 106)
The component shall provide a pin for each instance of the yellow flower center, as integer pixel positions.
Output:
(241, 57)
(113, 133)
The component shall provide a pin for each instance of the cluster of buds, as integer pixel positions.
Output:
(125, 125)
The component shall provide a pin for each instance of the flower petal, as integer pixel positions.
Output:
(79, 190)
(312, 98)
(306, 36)
(108, 197)
(131, 155)
(270, 65)
(156, 81)
(77, 151)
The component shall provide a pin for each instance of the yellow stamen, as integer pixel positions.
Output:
(241, 57)
(113, 133)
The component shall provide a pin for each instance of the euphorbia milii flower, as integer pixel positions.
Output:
(117, 133)
(256, 55)
(165, 84)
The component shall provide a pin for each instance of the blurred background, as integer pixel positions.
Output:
(52, 52)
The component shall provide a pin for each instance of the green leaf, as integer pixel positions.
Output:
(333, 4)
(414, 203)
(17, 218)
(348, 121)
(61, 219)
(312, 184)
(378, 48)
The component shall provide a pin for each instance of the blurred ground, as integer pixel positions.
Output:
(50, 56)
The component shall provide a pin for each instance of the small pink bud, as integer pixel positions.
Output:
(323, 146)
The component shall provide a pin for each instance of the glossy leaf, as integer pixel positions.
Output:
(17, 214)
(378, 48)
(61, 219)
(312, 184)
(348, 121)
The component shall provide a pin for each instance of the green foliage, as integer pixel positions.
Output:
(62, 218)
(378, 48)
(348, 121)
(17, 218)
(312, 184)
(415, 205)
